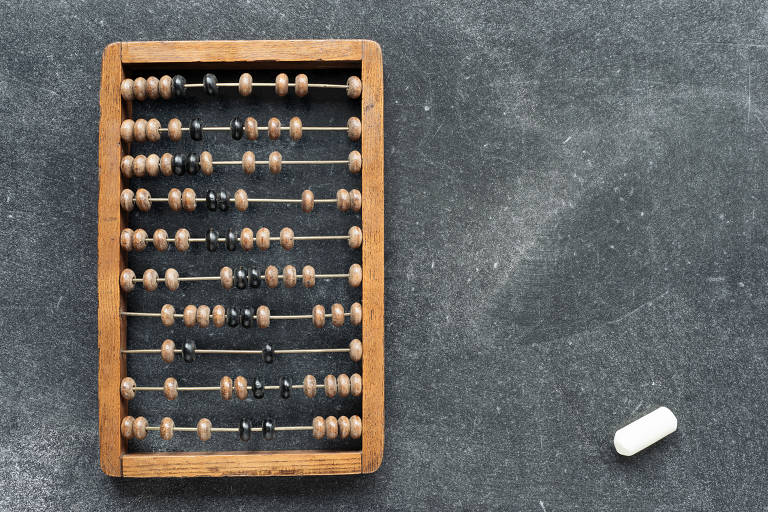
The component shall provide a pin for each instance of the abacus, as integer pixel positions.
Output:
(187, 76)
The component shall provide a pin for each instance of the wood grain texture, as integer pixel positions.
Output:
(373, 257)
(267, 463)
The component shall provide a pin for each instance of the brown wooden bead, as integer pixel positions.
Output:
(126, 239)
(355, 350)
(174, 130)
(139, 240)
(140, 88)
(310, 386)
(281, 84)
(241, 200)
(153, 165)
(140, 129)
(126, 89)
(166, 164)
(140, 425)
(166, 87)
(219, 315)
(355, 275)
(245, 84)
(241, 387)
(331, 427)
(301, 85)
(153, 88)
(171, 388)
(206, 163)
(160, 240)
(270, 276)
(357, 200)
(226, 387)
(153, 130)
(275, 162)
(337, 315)
(355, 162)
(246, 239)
(343, 201)
(142, 200)
(343, 427)
(126, 200)
(354, 128)
(190, 315)
(262, 239)
(289, 276)
(249, 162)
(286, 238)
(172, 279)
(167, 351)
(126, 166)
(203, 316)
(307, 201)
(356, 384)
(127, 386)
(354, 87)
(126, 130)
(355, 237)
(308, 276)
(318, 427)
(126, 427)
(227, 277)
(342, 381)
(188, 200)
(273, 128)
(126, 280)
(295, 128)
(149, 279)
(139, 167)
(329, 386)
(166, 429)
(181, 240)
(355, 313)
(174, 199)
(204, 429)
(166, 315)
(355, 427)
(262, 317)
(251, 128)
(318, 316)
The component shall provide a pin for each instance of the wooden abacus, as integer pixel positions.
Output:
(116, 167)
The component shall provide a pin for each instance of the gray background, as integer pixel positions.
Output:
(574, 202)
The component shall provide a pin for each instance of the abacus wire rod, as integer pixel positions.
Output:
(218, 388)
(232, 429)
(271, 317)
(218, 278)
(284, 162)
(264, 128)
(266, 84)
(236, 351)
(250, 200)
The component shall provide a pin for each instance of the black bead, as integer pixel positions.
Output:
(241, 278)
(245, 429)
(254, 277)
(247, 319)
(188, 351)
(193, 163)
(223, 200)
(268, 429)
(196, 129)
(236, 127)
(285, 387)
(210, 84)
(258, 388)
(179, 164)
(210, 200)
(268, 353)
(178, 86)
(211, 239)
(233, 317)
(231, 240)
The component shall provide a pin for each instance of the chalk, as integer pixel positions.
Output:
(642, 433)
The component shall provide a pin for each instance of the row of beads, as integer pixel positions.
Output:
(189, 349)
(202, 315)
(153, 165)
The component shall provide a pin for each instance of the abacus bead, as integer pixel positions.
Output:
(262, 317)
(204, 429)
(149, 279)
(268, 354)
(268, 429)
(354, 128)
(275, 162)
(179, 164)
(343, 385)
(178, 86)
(140, 88)
(286, 238)
(190, 315)
(166, 164)
(343, 201)
(166, 429)
(126, 89)
(196, 129)
(262, 239)
(140, 428)
(355, 313)
(241, 387)
(140, 130)
(153, 165)
(307, 201)
(219, 315)
(249, 162)
(222, 200)
(329, 385)
(171, 388)
(192, 165)
(139, 166)
(126, 200)
(301, 85)
(354, 87)
(244, 429)
(174, 130)
(126, 239)
(126, 130)
(127, 386)
(126, 427)
(203, 316)
(355, 427)
(126, 166)
(246, 239)
(212, 239)
(355, 275)
(233, 317)
(172, 279)
(210, 84)
(153, 88)
(251, 128)
(167, 351)
(343, 427)
(174, 199)
(357, 200)
(142, 200)
(310, 386)
(153, 130)
(331, 427)
(188, 200)
(270, 277)
(226, 277)
(210, 200)
(139, 240)
(245, 84)
(126, 280)
(166, 87)
(337, 315)
(273, 128)
(318, 316)
(285, 387)
(226, 387)
(355, 350)
(236, 128)
(241, 200)
(355, 162)
(246, 319)
(289, 276)
(308, 276)
(295, 128)
(230, 240)
(355, 237)
(281, 84)
(206, 163)
(257, 386)
(166, 315)
(241, 278)
(356, 384)
(318, 427)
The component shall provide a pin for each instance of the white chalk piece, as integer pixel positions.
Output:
(642, 433)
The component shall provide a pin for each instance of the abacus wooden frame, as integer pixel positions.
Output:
(121, 57)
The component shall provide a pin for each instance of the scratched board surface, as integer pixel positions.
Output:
(575, 211)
